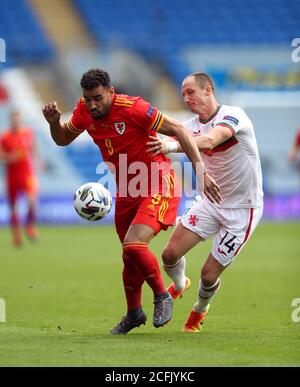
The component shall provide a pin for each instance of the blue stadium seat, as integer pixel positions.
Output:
(26, 42)
(158, 29)
(85, 157)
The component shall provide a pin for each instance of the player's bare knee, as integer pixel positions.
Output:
(208, 277)
(133, 238)
(169, 255)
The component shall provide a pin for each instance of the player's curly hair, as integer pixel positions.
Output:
(94, 78)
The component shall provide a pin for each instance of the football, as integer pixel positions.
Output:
(92, 201)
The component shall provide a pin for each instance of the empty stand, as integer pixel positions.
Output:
(160, 29)
(25, 39)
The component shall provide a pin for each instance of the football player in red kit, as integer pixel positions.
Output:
(120, 125)
(17, 147)
(294, 151)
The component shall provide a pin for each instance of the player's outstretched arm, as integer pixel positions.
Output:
(215, 137)
(208, 186)
(61, 135)
(171, 127)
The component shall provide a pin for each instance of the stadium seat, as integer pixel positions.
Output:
(25, 39)
(153, 31)
(85, 157)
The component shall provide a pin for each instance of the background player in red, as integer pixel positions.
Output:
(120, 125)
(17, 150)
(295, 150)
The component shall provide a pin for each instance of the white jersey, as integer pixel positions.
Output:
(235, 164)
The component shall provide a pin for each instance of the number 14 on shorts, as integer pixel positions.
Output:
(229, 244)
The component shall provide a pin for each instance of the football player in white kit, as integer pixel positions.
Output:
(226, 139)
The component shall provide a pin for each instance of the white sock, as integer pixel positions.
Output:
(205, 296)
(177, 273)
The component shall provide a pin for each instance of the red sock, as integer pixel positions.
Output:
(14, 220)
(31, 216)
(133, 281)
(147, 265)
(15, 226)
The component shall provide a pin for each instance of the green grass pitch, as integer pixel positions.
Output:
(65, 293)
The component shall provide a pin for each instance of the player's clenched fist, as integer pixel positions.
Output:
(52, 113)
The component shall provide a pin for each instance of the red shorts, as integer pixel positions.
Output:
(27, 185)
(157, 212)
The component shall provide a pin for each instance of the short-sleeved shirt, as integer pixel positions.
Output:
(235, 164)
(21, 143)
(122, 134)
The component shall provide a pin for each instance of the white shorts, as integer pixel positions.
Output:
(232, 227)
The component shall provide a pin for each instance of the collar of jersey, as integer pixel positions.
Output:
(212, 116)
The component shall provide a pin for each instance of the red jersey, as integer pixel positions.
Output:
(124, 130)
(3, 94)
(20, 143)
